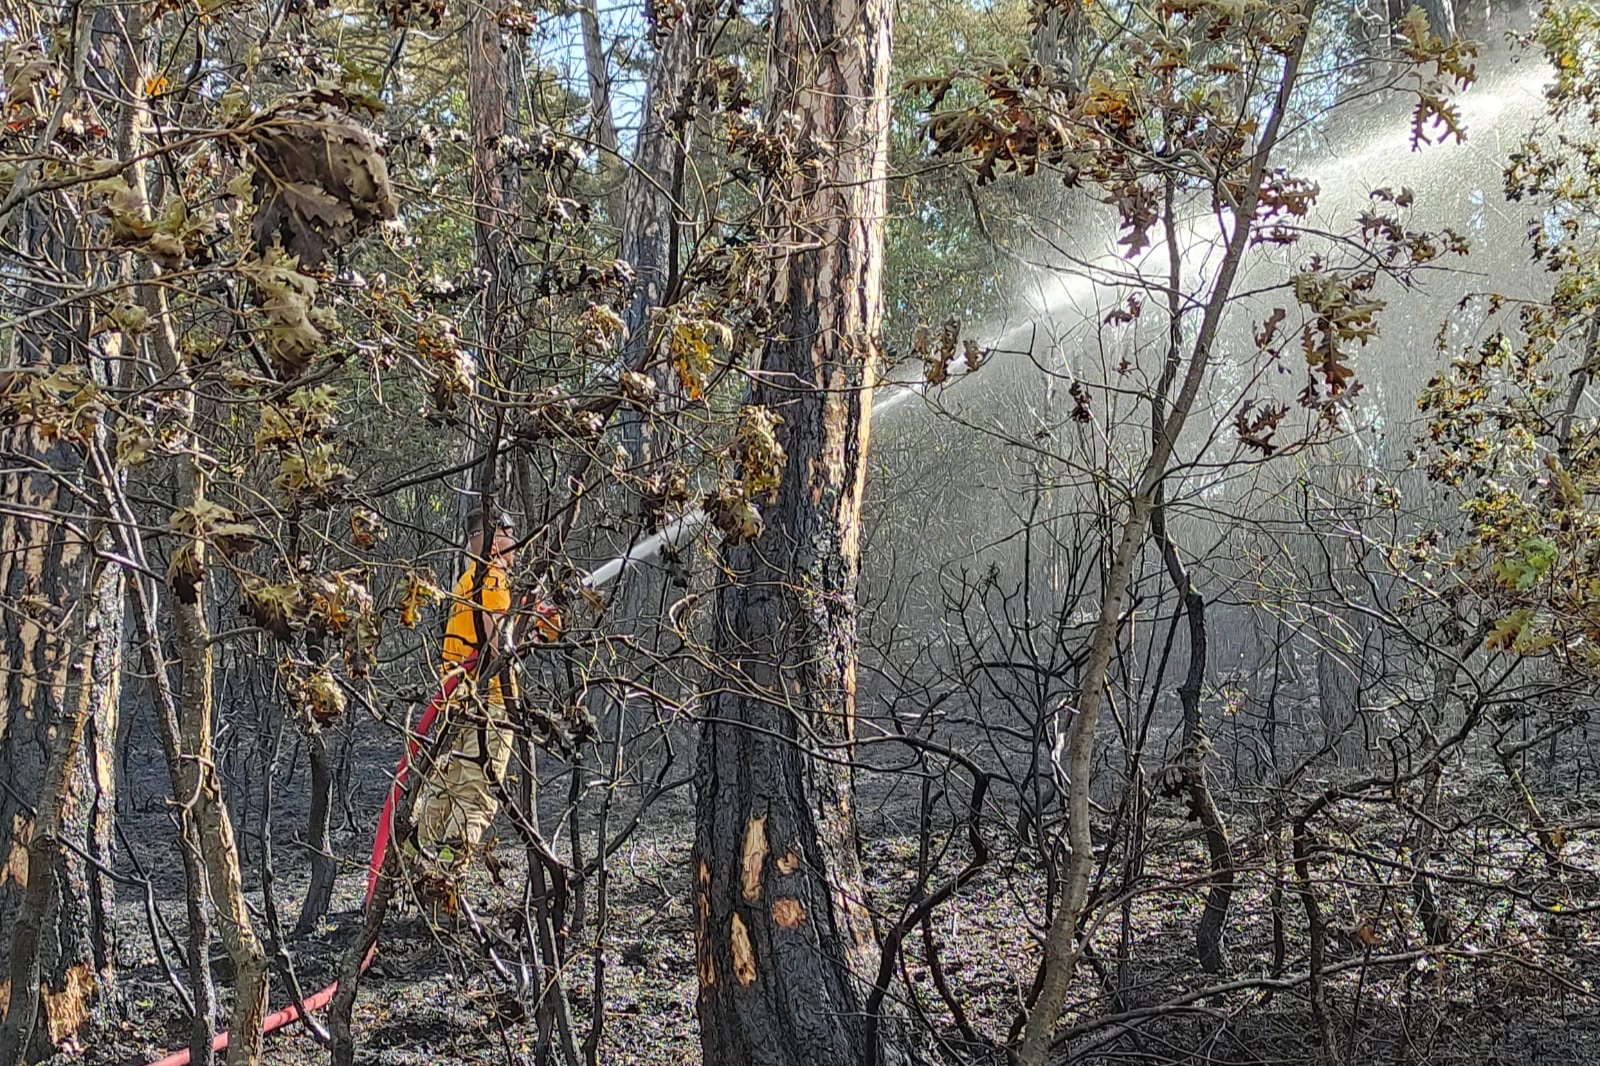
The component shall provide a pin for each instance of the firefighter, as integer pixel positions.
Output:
(458, 801)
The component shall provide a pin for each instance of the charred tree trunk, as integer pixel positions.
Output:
(319, 835)
(1190, 768)
(59, 668)
(58, 943)
(197, 945)
(1316, 935)
(785, 941)
(1189, 772)
(492, 92)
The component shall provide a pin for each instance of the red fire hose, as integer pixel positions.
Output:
(380, 845)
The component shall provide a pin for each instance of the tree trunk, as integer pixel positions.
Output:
(1191, 766)
(602, 125)
(495, 180)
(1191, 763)
(1339, 685)
(59, 668)
(492, 93)
(784, 936)
(319, 835)
(1316, 937)
(191, 755)
(201, 785)
(61, 899)
(650, 194)
(647, 212)
(197, 943)
(143, 595)
(1075, 723)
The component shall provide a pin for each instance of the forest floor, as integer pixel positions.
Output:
(1514, 993)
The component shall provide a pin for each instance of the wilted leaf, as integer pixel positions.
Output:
(731, 512)
(420, 590)
(287, 297)
(366, 528)
(205, 520)
(276, 608)
(134, 443)
(757, 451)
(320, 178)
(185, 571)
(319, 695)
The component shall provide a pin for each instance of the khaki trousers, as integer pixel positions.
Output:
(457, 802)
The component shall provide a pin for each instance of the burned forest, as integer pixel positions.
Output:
(799, 532)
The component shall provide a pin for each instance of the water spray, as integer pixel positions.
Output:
(1488, 107)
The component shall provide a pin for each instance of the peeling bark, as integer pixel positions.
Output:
(66, 995)
(783, 984)
(59, 670)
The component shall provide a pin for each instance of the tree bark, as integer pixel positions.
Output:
(191, 755)
(496, 212)
(59, 669)
(1316, 936)
(492, 104)
(197, 943)
(650, 193)
(602, 125)
(785, 941)
(647, 216)
(41, 858)
(143, 595)
(319, 836)
(57, 892)
(1191, 763)
(201, 786)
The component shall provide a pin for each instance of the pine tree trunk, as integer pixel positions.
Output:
(496, 180)
(784, 937)
(602, 124)
(655, 180)
(647, 207)
(60, 632)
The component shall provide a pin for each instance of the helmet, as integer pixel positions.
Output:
(474, 522)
